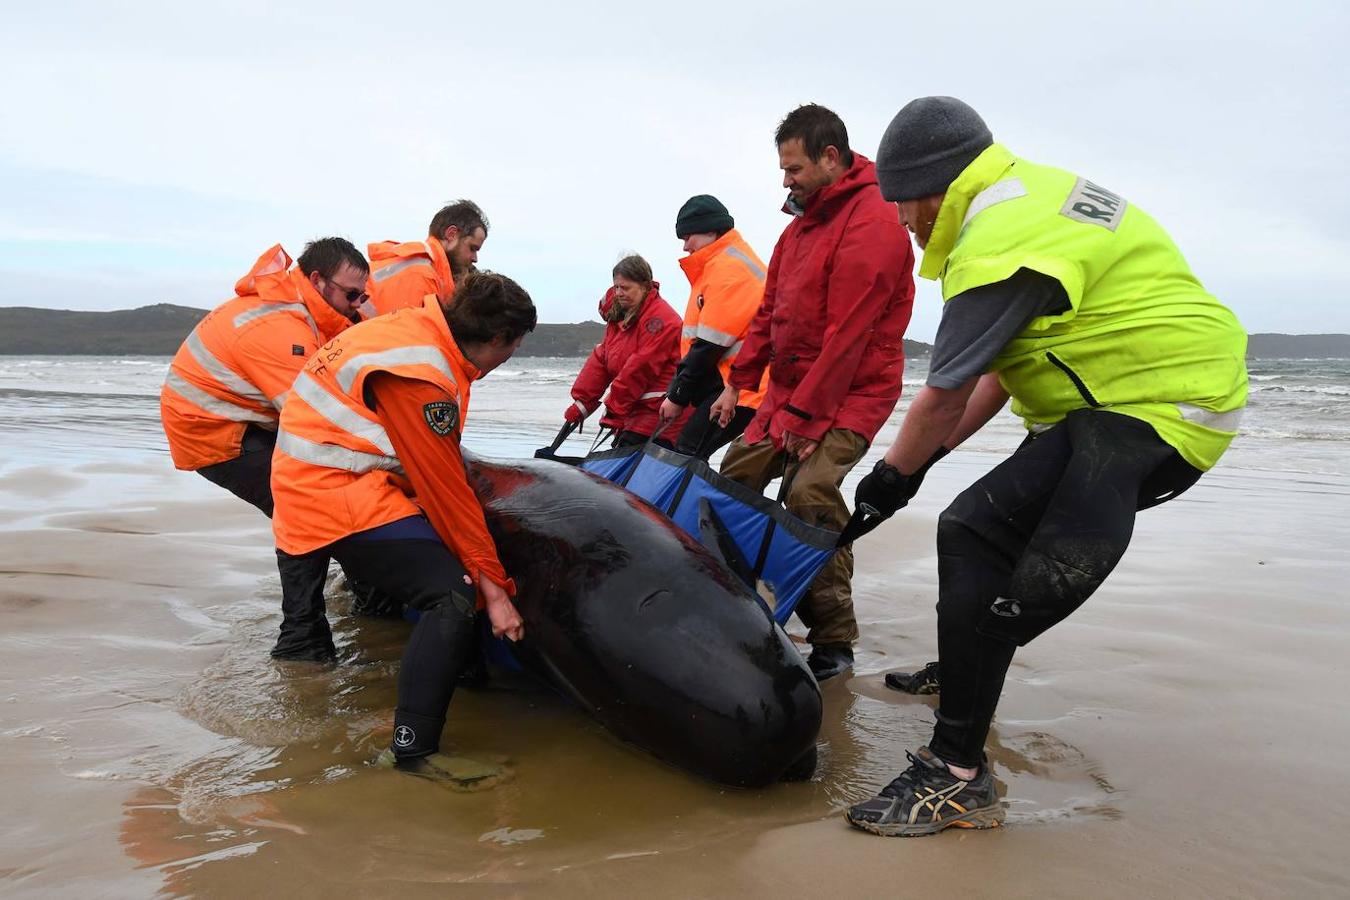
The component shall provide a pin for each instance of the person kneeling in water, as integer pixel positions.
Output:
(368, 470)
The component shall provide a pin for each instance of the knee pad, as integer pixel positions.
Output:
(455, 612)
(1043, 592)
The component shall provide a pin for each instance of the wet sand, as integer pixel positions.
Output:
(1184, 733)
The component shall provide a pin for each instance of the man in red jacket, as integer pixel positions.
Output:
(635, 361)
(837, 299)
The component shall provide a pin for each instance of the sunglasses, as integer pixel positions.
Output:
(353, 295)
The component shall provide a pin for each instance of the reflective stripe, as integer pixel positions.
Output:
(738, 253)
(730, 352)
(334, 457)
(267, 309)
(228, 378)
(313, 326)
(213, 405)
(652, 395)
(689, 332)
(1010, 189)
(713, 336)
(581, 406)
(279, 401)
(1219, 421)
(399, 356)
(340, 415)
(394, 268)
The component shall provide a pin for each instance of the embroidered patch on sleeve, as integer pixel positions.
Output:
(442, 416)
(297, 350)
(654, 325)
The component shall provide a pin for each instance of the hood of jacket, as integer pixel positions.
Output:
(607, 303)
(825, 202)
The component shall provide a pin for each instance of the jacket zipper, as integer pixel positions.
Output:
(1073, 376)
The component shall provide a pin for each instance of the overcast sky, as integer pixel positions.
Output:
(149, 151)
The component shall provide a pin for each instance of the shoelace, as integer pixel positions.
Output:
(908, 779)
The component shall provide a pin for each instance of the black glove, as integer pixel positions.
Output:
(884, 490)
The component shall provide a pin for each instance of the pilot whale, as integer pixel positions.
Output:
(646, 629)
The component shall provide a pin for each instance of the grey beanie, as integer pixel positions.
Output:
(927, 145)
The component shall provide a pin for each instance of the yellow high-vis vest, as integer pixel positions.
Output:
(1142, 336)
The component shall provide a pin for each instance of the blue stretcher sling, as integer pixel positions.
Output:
(756, 536)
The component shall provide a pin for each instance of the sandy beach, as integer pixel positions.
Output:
(1182, 734)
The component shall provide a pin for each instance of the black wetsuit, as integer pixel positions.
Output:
(1029, 542)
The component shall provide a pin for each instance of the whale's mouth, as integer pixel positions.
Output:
(654, 597)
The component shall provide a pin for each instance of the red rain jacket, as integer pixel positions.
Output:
(837, 299)
(636, 361)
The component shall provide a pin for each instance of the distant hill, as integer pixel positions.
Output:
(149, 331)
(562, 340)
(158, 330)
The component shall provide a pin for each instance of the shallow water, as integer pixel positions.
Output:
(148, 743)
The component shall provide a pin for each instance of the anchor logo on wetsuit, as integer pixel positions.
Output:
(404, 736)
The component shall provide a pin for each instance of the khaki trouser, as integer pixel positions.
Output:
(815, 498)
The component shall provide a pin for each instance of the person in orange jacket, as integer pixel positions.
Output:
(402, 274)
(223, 393)
(726, 285)
(635, 360)
(368, 470)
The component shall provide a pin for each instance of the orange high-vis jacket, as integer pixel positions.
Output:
(401, 275)
(236, 366)
(335, 471)
(726, 285)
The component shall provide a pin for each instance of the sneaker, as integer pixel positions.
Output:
(457, 772)
(924, 681)
(927, 798)
(828, 660)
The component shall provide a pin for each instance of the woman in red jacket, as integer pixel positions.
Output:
(636, 359)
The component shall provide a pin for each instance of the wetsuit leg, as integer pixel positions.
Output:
(305, 634)
(249, 475)
(431, 579)
(1023, 548)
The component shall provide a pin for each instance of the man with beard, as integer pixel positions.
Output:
(1070, 300)
(837, 299)
(402, 275)
(224, 390)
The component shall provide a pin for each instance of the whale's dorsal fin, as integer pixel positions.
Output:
(717, 540)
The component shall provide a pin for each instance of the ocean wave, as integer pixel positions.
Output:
(1323, 390)
(1293, 434)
